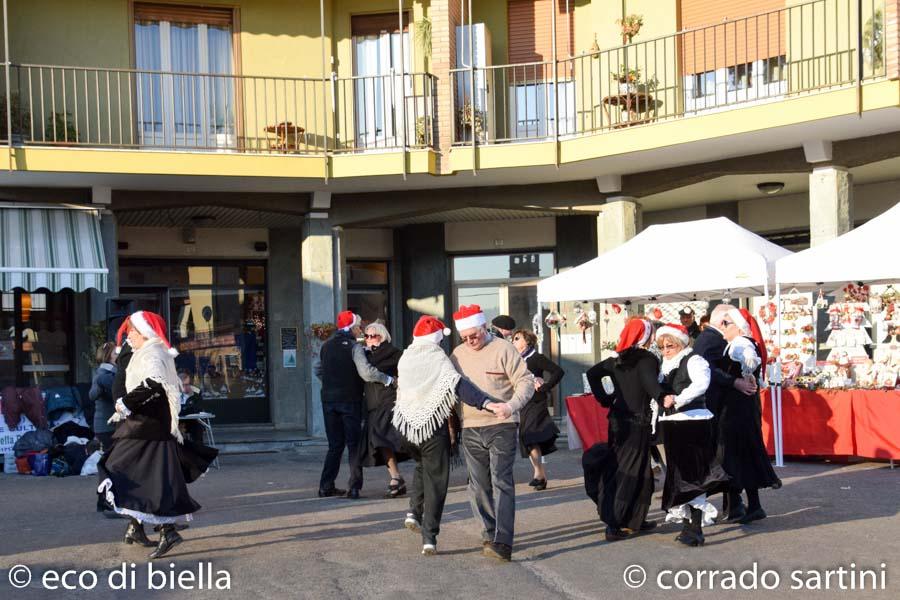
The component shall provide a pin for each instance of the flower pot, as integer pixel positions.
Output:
(632, 88)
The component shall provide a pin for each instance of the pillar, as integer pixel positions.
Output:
(830, 203)
(445, 16)
(318, 270)
(289, 389)
(619, 221)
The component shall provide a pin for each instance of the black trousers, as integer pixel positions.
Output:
(343, 427)
(430, 482)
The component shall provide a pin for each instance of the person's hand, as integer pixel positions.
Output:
(538, 383)
(669, 401)
(745, 386)
(500, 409)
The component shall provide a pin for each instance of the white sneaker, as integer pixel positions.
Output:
(412, 523)
(429, 549)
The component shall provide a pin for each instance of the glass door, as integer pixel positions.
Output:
(378, 87)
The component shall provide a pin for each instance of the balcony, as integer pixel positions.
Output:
(803, 49)
(94, 107)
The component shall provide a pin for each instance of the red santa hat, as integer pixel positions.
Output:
(151, 325)
(468, 317)
(637, 332)
(739, 318)
(679, 332)
(347, 320)
(121, 333)
(431, 329)
(754, 331)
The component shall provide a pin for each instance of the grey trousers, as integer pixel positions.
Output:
(490, 455)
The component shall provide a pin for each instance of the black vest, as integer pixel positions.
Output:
(340, 380)
(677, 381)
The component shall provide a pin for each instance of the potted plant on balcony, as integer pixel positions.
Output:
(629, 80)
(60, 129)
(21, 120)
(631, 26)
(470, 122)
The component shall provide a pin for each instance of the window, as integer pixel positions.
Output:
(190, 103)
(740, 77)
(368, 291)
(35, 339)
(774, 69)
(704, 84)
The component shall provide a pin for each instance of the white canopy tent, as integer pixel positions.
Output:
(850, 257)
(672, 263)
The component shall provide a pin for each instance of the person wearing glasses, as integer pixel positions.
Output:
(693, 471)
(741, 442)
(344, 369)
(489, 442)
(723, 385)
(537, 431)
(618, 477)
(382, 443)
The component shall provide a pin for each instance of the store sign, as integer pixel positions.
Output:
(289, 347)
(524, 265)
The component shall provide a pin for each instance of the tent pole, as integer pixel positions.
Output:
(776, 397)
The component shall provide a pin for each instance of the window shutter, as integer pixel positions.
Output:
(177, 13)
(531, 30)
(362, 25)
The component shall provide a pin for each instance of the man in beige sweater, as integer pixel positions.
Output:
(489, 440)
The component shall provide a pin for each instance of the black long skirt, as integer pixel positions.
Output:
(536, 427)
(619, 477)
(692, 467)
(381, 433)
(740, 443)
(151, 477)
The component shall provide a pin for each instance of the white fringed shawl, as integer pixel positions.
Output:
(153, 361)
(426, 391)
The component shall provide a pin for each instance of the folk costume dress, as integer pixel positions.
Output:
(692, 472)
(536, 426)
(619, 477)
(146, 471)
(379, 431)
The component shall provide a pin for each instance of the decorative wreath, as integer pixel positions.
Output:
(768, 313)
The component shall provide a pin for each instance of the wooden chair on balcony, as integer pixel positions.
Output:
(287, 136)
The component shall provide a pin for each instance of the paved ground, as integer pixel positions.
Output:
(263, 524)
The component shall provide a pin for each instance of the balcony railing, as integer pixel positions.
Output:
(128, 108)
(796, 50)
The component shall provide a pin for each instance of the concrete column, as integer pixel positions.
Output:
(445, 16)
(318, 299)
(289, 390)
(619, 221)
(830, 203)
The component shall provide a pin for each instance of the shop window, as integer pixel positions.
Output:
(35, 339)
(368, 290)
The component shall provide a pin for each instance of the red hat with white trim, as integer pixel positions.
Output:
(468, 317)
(430, 328)
(347, 319)
(679, 332)
(151, 325)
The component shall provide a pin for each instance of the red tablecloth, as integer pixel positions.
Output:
(589, 419)
(836, 422)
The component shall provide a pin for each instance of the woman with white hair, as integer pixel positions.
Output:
(382, 442)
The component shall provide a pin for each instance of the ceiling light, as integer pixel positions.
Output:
(770, 187)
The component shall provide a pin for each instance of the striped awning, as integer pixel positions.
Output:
(51, 248)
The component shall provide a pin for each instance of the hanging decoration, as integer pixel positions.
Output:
(554, 320)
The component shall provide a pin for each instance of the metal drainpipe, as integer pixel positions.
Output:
(553, 54)
(859, 56)
(324, 86)
(9, 127)
(403, 88)
(472, 85)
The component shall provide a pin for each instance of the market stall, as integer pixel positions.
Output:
(838, 394)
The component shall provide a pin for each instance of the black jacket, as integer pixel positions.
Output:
(150, 417)
(539, 364)
(677, 381)
(711, 345)
(118, 384)
(634, 374)
(340, 380)
(384, 358)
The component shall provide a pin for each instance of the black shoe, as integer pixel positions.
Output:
(353, 494)
(615, 535)
(692, 534)
(498, 551)
(533, 482)
(134, 534)
(332, 492)
(736, 509)
(540, 485)
(168, 539)
(753, 515)
(395, 490)
(648, 525)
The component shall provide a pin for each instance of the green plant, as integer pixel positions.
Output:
(320, 331)
(60, 128)
(466, 118)
(21, 118)
(873, 40)
(96, 337)
(423, 39)
(626, 75)
(631, 26)
(422, 126)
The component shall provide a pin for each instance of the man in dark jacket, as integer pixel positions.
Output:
(687, 317)
(711, 344)
(343, 369)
